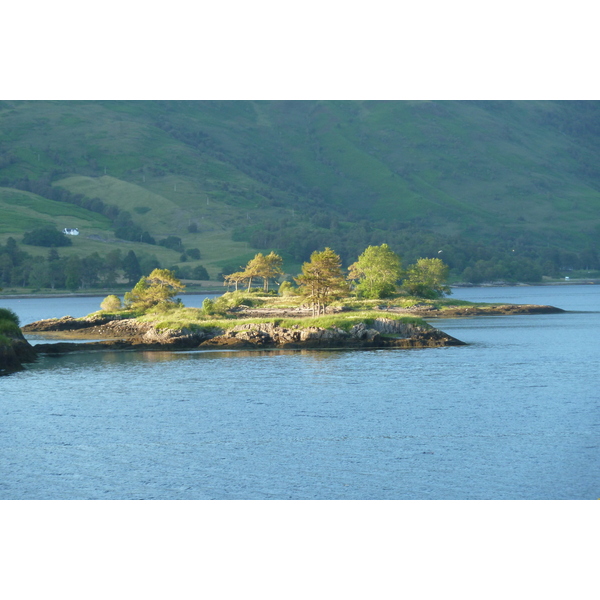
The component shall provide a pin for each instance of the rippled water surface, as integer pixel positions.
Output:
(513, 415)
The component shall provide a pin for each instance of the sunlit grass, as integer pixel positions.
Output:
(194, 319)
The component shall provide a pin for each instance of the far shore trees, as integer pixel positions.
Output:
(322, 280)
(377, 270)
(159, 287)
(47, 236)
(427, 278)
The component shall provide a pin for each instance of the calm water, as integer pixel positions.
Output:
(513, 415)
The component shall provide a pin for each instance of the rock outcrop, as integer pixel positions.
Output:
(15, 352)
(381, 333)
(131, 334)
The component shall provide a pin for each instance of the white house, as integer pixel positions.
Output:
(68, 231)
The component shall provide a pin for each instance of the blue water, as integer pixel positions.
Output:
(513, 415)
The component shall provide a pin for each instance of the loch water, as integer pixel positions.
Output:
(515, 414)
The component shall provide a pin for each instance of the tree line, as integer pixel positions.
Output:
(20, 269)
(510, 258)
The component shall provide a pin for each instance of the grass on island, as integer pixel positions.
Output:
(194, 320)
(219, 314)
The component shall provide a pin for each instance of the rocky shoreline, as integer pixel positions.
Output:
(17, 352)
(129, 334)
(418, 310)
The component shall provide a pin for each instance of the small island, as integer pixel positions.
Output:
(325, 309)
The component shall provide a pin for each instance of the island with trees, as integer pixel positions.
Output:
(375, 304)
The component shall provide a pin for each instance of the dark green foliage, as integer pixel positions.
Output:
(200, 272)
(131, 266)
(474, 179)
(49, 237)
(173, 242)
(19, 269)
(193, 253)
(6, 314)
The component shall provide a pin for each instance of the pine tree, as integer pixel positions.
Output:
(322, 280)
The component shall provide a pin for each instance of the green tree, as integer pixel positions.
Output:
(131, 266)
(39, 277)
(377, 270)
(253, 269)
(161, 286)
(73, 271)
(47, 236)
(427, 278)
(112, 263)
(200, 272)
(266, 267)
(273, 264)
(235, 278)
(111, 303)
(322, 280)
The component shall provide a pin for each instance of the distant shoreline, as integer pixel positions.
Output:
(209, 292)
(91, 295)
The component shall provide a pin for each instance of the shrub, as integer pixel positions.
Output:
(287, 289)
(208, 306)
(6, 314)
(111, 303)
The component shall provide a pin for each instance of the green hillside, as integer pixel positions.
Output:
(486, 183)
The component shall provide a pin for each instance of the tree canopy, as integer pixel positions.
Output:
(322, 280)
(47, 236)
(159, 287)
(377, 270)
(265, 267)
(427, 278)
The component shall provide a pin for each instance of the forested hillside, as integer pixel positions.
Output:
(499, 190)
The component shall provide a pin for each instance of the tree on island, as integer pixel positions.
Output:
(270, 268)
(265, 267)
(427, 278)
(377, 270)
(161, 286)
(235, 278)
(322, 280)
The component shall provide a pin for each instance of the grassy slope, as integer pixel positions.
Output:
(474, 168)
